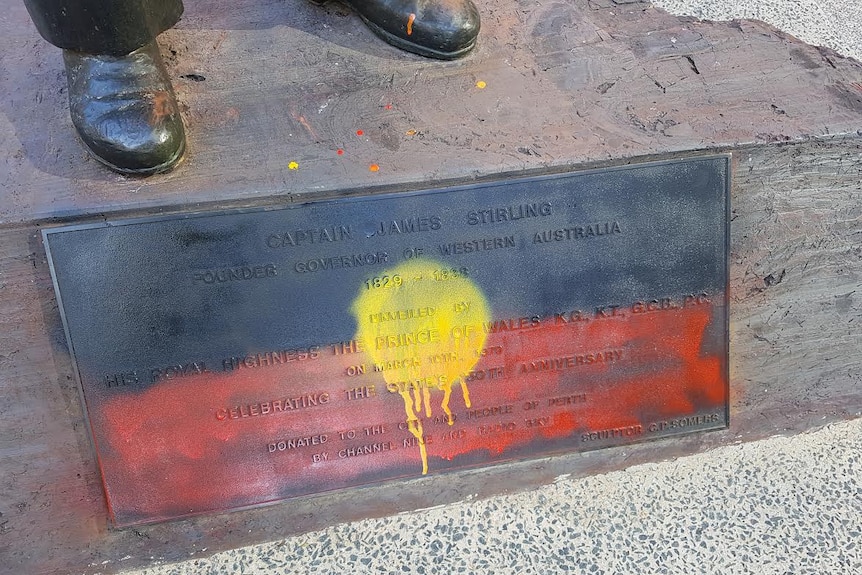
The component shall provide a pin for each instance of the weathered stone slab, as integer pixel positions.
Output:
(567, 86)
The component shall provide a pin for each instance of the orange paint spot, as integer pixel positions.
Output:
(231, 114)
(411, 132)
(162, 105)
(410, 20)
(307, 126)
(360, 133)
(374, 168)
(340, 152)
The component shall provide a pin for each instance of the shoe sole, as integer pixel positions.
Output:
(159, 169)
(400, 42)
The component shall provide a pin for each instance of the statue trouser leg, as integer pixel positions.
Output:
(445, 29)
(120, 97)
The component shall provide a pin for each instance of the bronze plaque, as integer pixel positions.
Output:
(238, 358)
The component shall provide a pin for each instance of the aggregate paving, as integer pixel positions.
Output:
(832, 24)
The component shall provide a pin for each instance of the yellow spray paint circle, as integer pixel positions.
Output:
(423, 324)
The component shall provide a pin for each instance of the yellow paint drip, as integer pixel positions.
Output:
(422, 322)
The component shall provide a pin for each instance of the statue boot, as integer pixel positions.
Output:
(444, 29)
(125, 111)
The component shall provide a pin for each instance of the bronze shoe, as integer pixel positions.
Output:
(444, 29)
(125, 111)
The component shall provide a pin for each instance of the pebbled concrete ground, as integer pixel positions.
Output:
(836, 24)
(778, 506)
